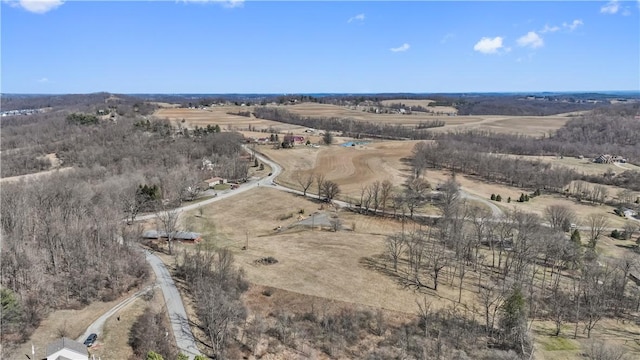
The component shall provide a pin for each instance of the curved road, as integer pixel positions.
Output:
(185, 340)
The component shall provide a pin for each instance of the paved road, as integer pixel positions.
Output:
(177, 314)
(495, 210)
(96, 326)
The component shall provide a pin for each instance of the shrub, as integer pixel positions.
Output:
(498, 198)
(509, 199)
(493, 196)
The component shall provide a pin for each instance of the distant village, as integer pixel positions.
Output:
(20, 112)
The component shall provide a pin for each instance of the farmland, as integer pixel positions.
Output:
(527, 125)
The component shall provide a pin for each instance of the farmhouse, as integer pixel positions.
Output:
(187, 237)
(216, 180)
(66, 349)
(609, 159)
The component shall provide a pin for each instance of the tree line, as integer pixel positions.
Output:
(349, 127)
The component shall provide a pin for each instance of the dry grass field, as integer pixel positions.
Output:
(526, 125)
(350, 167)
(335, 268)
(218, 116)
(424, 103)
(326, 264)
(584, 166)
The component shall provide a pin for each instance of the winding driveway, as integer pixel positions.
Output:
(185, 340)
(177, 314)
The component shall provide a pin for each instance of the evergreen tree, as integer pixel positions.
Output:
(514, 320)
(151, 355)
(575, 237)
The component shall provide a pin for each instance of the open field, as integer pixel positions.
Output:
(536, 205)
(218, 116)
(337, 267)
(350, 167)
(527, 125)
(422, 102)
(319, 263)
(585, 166)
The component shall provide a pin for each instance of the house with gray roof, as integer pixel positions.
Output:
(67, 349)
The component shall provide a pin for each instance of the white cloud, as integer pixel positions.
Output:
(37, 6)
(574, 25)
(548, 29)
(401, 48)
(532, 40)
(43, 80)
(225, 3)
(359, 17)
(611, 7)
(488, 45)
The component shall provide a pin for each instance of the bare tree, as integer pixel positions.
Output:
(560, 217)
(598, 350)
(450, 198)
(395, 245)
(330, 189)
(168, 222)
(491, 299)
(597, 224)
(415, 193)
(304, 181)
(385, 192)
(629, 229)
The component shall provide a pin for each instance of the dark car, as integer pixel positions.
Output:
(90, 340)
(270, 174)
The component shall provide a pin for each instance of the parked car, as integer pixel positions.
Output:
(90, 340)
(270, 174)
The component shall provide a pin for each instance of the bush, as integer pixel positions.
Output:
(270, 260)
(509, 199)
(619, 235)
(498, 198)
(493, 197)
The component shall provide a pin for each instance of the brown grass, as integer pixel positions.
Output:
(527, 125)
(326, 264)
(349, 167)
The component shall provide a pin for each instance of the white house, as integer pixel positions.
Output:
(66, 349)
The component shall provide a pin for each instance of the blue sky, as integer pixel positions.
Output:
(55, 46)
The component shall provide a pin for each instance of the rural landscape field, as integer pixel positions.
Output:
(294, 180)
(326, 242)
